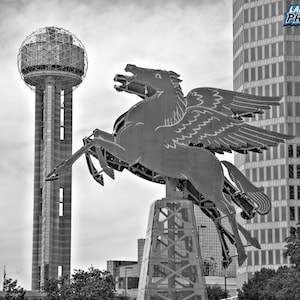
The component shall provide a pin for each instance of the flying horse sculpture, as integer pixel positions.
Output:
(171, 135)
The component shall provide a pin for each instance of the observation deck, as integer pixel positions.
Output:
(54, 52)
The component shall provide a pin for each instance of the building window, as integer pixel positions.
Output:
(277, 256)
(263, 257)
(256, 258)
(253, 14)
(298, 192)
(283, 194)
(263, 236)
(266, 48)
(282, 172)
(270, 236)
(275, 172)
(275, 152)
(266, 11)
(291, 150)
(268, 169)
(284, 234)
(273, 46)
(261, 174)
(291, 192)
(291, 171)
(298, 151)
(246, 13)
(59, 272)
(61, 202)
(298, 171)
(292, 213)
(276, 213)
(254, 174)
(276, 193)
(277, 235)
(283, 213)
(267, 72)
(249, 257)
(289, 88)
(270, 252)
(290, 109)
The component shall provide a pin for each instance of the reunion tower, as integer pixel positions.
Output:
(53, 61)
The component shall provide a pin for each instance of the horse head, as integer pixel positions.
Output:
(148, 82)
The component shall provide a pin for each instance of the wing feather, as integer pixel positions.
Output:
(216, 131)
(229, 102)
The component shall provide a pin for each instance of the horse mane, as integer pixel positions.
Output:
(179, 110)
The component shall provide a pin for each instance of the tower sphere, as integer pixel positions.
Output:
(55, 52)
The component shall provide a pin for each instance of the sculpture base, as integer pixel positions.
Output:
(172, 263)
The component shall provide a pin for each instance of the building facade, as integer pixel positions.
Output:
(266, 61)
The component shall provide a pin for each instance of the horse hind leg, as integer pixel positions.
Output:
(226, 207)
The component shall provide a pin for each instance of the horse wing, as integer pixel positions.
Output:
(216, 131)
(229, 102)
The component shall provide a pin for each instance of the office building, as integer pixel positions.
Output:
(266, 61)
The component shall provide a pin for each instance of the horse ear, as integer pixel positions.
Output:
(176, 79)
(172, 73)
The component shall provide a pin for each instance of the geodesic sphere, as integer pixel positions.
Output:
(54, 52)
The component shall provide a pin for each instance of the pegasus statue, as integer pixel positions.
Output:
(169, 135)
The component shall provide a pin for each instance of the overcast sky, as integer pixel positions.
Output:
(191, 37)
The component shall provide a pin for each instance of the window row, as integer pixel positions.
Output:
(266, 257)
(263, 11)
(290, 48)
(264, 72)
(294, 192)
(271, 172)
(294, 150)
(278, 214)
(294, 171)
(264, 52)
(289, 88)
(266, 173)
(270, 235)
(263, 32)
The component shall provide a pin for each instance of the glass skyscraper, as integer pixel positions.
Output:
(266, 61)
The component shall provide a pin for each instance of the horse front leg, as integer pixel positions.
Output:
(65, 166)
(101, 140)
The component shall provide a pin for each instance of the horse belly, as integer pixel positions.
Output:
(195, 164)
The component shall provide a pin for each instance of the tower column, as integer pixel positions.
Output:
(37, 205)
(53, 61)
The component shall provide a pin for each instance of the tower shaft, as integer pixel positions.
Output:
(52, 199)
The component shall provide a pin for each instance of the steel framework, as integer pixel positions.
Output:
(172, 266)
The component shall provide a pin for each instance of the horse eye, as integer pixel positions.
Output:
(157, 75)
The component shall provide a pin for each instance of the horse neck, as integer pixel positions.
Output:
(168, 108)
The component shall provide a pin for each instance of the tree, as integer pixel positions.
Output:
(267, 284)
(91, 284)
(12, 290)
(58, 289)
(293, 247)
(215, 292)
(254, 288)
(285, 285)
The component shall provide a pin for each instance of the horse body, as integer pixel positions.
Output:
(177, 137)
